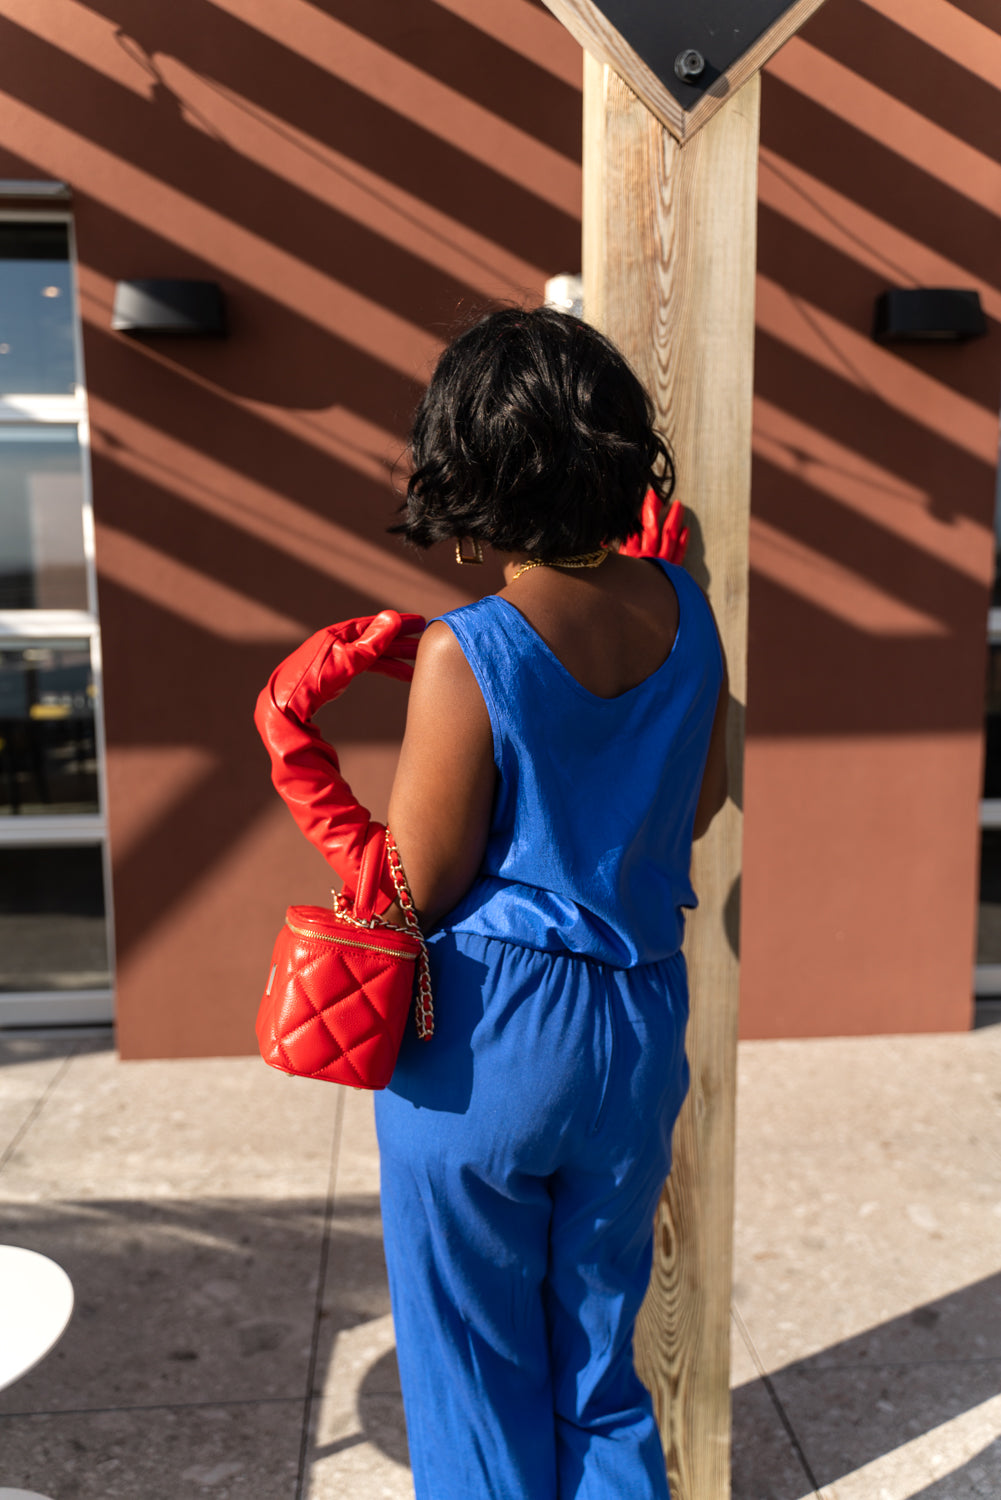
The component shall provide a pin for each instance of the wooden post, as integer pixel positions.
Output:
(669, 262)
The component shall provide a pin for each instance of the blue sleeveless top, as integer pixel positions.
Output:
(591, 833)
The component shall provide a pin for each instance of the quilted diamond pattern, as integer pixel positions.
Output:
(333, 1010)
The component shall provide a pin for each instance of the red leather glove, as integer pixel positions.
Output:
(304, 768)
(656, 539)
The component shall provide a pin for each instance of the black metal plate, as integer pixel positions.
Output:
(660, 30)
(179, 306)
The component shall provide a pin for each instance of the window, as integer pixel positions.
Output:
(55, 948)
(987, 975)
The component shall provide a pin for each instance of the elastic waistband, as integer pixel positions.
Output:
(464, 937)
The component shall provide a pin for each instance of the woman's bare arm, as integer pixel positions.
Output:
(439, 810)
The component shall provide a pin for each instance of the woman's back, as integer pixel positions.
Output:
(611, 627)
(591, 824)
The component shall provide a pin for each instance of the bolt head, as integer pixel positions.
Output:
(689, 64)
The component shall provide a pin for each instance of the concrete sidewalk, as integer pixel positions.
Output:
(232, 1335)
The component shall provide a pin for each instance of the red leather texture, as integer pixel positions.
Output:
(337, 999)
(304, 768)
(667, 538)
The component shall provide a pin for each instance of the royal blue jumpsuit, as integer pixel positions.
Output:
(524, 1148)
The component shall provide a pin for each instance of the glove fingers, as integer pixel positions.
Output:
(319, 669)
(651, 515)
(396, 659)
(381, 630)
(388, 633)
(669, 532)
(677, 532)
(667, 538)
(346, 659)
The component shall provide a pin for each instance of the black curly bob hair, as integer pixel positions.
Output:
(535, 436)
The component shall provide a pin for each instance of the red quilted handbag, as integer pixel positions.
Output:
(342, 981)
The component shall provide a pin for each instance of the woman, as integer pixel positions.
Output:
(564, 744)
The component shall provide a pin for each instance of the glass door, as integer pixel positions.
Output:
(55, 945)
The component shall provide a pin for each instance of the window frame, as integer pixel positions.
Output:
(55, 1007)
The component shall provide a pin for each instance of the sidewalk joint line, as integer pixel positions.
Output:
(92, 1411)
(36, 1109)
(314, 1347)
(775, 1400)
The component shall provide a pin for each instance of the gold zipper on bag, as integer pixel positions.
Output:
(326, 937)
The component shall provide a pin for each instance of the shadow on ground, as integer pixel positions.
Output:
(858, 1400)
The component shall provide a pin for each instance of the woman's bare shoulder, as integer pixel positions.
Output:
(439, 639)
(439, 654)
(443, 676)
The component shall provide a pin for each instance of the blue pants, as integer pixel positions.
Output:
(523, 1152)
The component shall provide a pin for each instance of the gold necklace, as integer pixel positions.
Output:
(582, 560)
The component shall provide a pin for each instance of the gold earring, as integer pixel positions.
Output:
(476, 556)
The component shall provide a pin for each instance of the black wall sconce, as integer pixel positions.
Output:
(928, 315)
(186, 307)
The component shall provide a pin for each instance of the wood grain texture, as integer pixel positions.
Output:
(601, 40)
(669, 275)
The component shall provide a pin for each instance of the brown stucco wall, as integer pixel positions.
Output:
(356, 176)
(871, 541)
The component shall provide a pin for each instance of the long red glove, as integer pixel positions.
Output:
(667, 539)
(304, 768)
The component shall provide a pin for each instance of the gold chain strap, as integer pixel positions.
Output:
(425, 1003)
